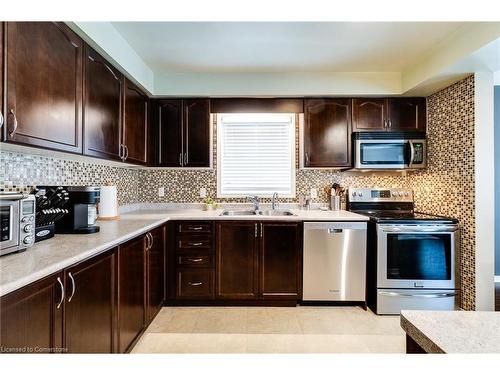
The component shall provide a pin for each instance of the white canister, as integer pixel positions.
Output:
(108, 203)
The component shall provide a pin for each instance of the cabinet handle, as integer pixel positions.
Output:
(385, 123)
(180, 159)
(307, 157)
(14, 122)
(152, 240)
(186, 160)
(195, 228)
(73, 286)
(62, 293)
(1, 119)
(389, 123)
(261, 230)
(195, 260)
(255, 230)
(195, 283)
(196, 243)
(125, 147)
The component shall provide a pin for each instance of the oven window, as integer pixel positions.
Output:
(419, 256)
(5, 220)
(383, 153)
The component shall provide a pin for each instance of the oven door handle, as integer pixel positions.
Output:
(429, 295)
(411, 229)
(13, 196)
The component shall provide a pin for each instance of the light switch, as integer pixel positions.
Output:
(203, 192)
(314, 193)
(161, 191)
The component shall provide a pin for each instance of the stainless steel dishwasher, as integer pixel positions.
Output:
(334, 261)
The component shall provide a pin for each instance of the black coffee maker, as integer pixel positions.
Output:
(82, 207)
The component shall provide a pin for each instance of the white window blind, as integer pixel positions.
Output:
(256, 154)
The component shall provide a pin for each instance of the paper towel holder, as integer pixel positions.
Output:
(108, 205)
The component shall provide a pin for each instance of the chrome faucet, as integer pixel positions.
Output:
(255, 200)
(274, 203)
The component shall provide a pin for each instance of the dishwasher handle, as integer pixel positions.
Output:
(335, 226)
(334, 230)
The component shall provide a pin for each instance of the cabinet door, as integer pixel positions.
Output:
(44, 86)
(280, 260)
(2, 112)
(237, 260)
(102, 110)
(407, 114)
(135, 124)
(90, 305)
(327, 133)
(170, 139)
(155, 273)
(32, 316)
(196, 133)
(131, 291)
(369, 114)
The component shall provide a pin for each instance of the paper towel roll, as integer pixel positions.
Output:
(108, 203)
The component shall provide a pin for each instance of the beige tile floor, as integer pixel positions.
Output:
(271, 330)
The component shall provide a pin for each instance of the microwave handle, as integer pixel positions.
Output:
(412, 153)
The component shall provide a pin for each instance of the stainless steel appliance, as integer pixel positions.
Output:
(17, 216)
(390, 150)
(334, 264)
(411, 256)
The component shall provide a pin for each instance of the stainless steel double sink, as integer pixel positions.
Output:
(257, 213)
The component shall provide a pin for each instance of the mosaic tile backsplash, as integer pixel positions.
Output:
(446, 187)
(20, 172)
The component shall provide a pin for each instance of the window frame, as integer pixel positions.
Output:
(294, 123)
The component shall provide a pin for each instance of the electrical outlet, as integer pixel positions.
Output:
(203, 192)
(314, 193)
(161, 191)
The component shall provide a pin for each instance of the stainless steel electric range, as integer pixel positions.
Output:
(412, 257)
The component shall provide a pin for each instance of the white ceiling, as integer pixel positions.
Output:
(257, 47)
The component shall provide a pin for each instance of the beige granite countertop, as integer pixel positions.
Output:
(453, 331)
(47, 257)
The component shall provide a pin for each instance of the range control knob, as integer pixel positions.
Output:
(24, 219)
(353, 193)
(27, 240)
(407, 194)
(360, 194)
(394, 194)
(400, 193)
(28, 228)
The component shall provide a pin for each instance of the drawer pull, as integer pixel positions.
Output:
(195, 228)
(195, 283)
(196, 243)
(195, 260)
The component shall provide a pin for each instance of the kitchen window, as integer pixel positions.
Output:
(255, 155)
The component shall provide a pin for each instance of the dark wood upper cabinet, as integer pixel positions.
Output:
(102, 107)
(2, 112)
(369, 114)
(32, 316)
(280, 260)
(196, 133)
(327, 133)
(168, 139)
(407, 114)
(237, 260)
(155, 258)
(90, 305)
(180, 133)
(44, 80)
(131, 291)
(393, 114)
(135, 124)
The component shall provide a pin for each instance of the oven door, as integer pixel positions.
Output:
(416, 256)
(382, 154)
(9, 218)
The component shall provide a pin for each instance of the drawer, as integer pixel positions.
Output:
(195, 283)
(195, 227)
(194, 243)
(194, 260)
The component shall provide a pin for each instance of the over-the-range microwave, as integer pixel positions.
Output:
(389, 150)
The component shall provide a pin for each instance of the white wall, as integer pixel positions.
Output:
(485, 191)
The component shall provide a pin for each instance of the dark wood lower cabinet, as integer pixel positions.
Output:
(237, 257)
(31, 317)
(155, 258)
(90, 305)
(280, 260)
(131, 291)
